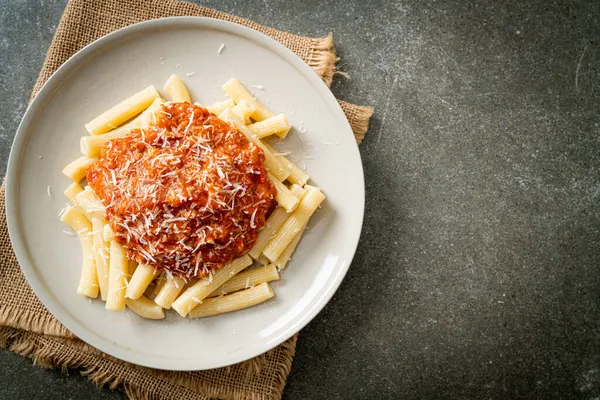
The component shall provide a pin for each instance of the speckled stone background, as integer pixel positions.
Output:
(478, 270)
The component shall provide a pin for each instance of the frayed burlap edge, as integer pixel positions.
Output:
(98, 368)
(358, 117)
(23, 319)
(288, 349)
(104, 370)
(322, 58)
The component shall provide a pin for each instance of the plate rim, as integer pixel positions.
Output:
(48, 299)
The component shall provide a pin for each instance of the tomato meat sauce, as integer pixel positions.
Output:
(187, 195)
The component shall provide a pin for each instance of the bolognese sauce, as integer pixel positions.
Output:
(186, 195)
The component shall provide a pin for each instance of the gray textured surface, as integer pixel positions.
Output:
(477, 271)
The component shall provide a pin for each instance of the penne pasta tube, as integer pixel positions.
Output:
(271, 162)
(286, 255)
(247, 279)
(107, 233)
(284, 197)
(234, 89)
(276, 125)
(201, 289)
(272, 225)
(145, 308)
(122, 112)
(298, 191)
(189, 284)
(101, 254)
(141, 278)
(298, 219)
(160, 282)
(88, 283)
(72, 191)
(243, 109)
(149, 115)
(169, 291)
(220, 106)
(176, 89)
(263, 260)
(233, 302)
(297, 175)
(150, 290)
(76, 169)
(77, 221)
(90, 204)
(91, 145)
(117, 274)
(131, 267)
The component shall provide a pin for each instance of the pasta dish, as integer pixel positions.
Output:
(185, 207)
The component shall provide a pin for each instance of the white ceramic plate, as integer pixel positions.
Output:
(112, 69)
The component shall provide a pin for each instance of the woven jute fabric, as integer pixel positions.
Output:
(27, 328)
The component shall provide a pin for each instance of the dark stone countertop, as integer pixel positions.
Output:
(477, 274)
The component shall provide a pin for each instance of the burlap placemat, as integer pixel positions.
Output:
(27, 328)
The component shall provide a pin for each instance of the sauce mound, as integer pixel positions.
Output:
(186, 195)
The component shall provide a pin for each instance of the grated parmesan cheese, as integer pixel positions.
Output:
(186, 195)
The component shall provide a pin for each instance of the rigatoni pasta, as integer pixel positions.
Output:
(101, 254)
(145, 308)
(140, 280)
(73, 190)
(286, 254)
(87, 201)
(169, 291)
(297, 175)
(203, 288)
(141, 254)
(176, 89)
(234, 89)
(91, 145)
(275, 125)
(107, 233)
(284, 196)
(274, 222)
(244, 110)
(218, 107)
(88, 284)
(76, 170)
(294, 224)
(233, 302)
(275, 167)
(117, 277)
(247, 279)
(122, 112)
